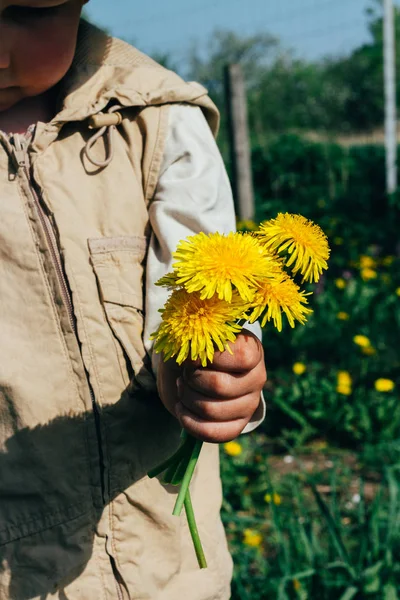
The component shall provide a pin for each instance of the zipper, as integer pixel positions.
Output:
(20, 155)
(119, 589)
(21, 159)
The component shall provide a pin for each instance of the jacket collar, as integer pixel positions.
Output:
(106, 69)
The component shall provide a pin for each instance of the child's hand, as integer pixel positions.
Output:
(215, 403)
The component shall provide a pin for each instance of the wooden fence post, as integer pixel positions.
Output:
(242, 181)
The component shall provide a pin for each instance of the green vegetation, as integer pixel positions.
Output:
(336, 94)
(340, 189)
(312, 497)
(326, 534)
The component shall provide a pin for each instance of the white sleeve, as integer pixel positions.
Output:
(193, 194)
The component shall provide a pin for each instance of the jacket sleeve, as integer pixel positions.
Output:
(193, 194)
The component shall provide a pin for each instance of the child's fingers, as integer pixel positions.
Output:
(213, 432)
(220, 410)
(247, 352)
(168, 374)
(223, 385)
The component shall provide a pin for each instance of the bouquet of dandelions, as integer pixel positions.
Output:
(220, 282)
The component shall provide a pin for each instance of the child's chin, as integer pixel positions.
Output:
(9, 97)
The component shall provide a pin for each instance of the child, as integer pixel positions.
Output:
(106, 162)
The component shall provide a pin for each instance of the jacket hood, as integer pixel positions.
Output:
(106, 69)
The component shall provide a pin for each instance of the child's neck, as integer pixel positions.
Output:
(29, 111)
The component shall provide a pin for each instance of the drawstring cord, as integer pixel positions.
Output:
(105, 123)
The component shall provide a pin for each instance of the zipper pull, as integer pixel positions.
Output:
(19, 152)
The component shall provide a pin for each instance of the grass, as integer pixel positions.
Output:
(312, 501)
(316, 525)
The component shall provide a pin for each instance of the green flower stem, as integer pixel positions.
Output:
(179, 470)
(201, 559)
(175, 472)
(167, 463)
(171, 474)
(187, 478)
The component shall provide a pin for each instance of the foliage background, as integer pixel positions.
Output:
(341, 189)
(312, 497)
(300, 522)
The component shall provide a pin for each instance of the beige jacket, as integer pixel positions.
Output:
(79, 423)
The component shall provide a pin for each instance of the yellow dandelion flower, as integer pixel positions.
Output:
(233, 448)
(398, 291)
(344, 383)
(387, 261)
(367, 274)
(252, 538)
(343, 316)
(384, 385)
(368, 350)
(344, 378)
(340, 283)
(296, 585)
(194, 327)
(305, 242)
(299, 368)
(277, 296)
(216, 264)
(367, 262)
(318, 445)
(345, 390)
(273, 498)
(362, 341)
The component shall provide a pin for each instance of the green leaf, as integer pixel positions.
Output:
(282, 595)
(372, 582)
(349, 593)
(294, 414)
(392, 526)
(389, 592)
(301, 574)
(373, 586)
(333, 530)
(340, 566)
(371, 572)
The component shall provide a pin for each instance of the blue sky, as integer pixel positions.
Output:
(313, 28)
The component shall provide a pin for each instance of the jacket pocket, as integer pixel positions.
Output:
(118, 266)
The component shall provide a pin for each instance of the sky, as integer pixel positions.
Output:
(312, 28)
